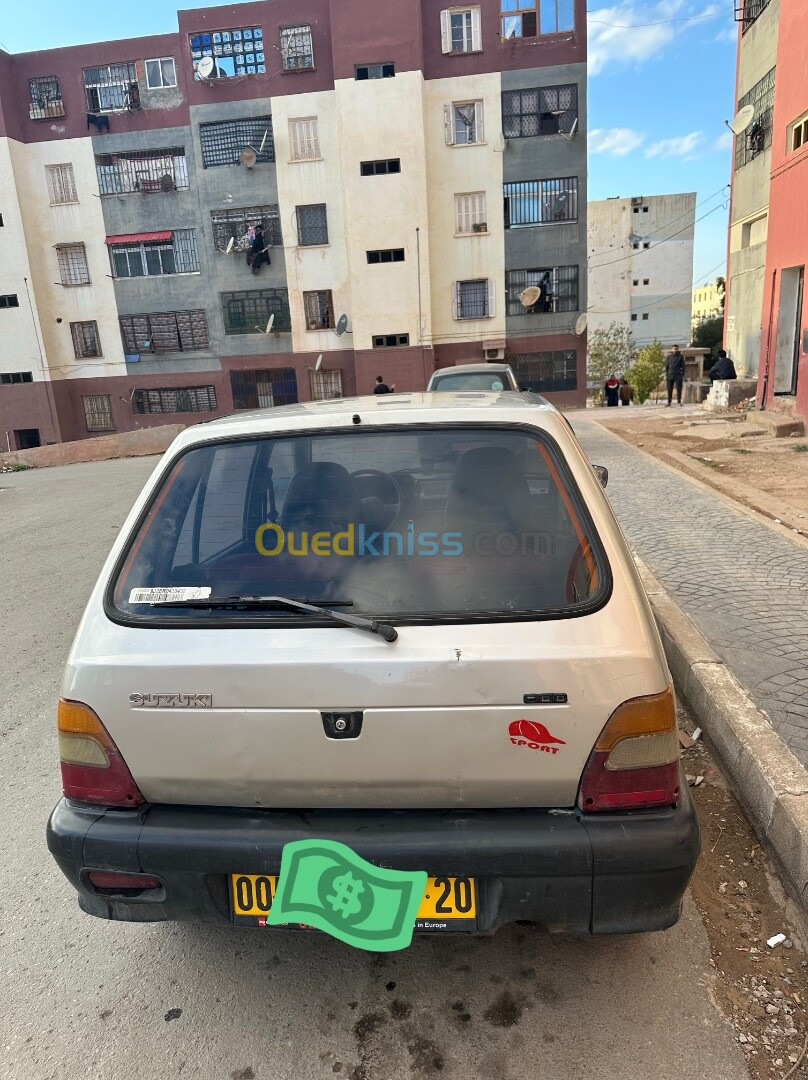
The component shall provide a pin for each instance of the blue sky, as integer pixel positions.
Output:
(661, 84)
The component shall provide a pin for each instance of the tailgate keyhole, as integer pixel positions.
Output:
(342, 725)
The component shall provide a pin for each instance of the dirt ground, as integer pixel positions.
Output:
(762, 990)
(726, 451)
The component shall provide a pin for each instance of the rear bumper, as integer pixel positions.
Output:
(601, 874)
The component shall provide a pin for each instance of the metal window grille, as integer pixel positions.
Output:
(747, 11)
(45, 98)
(312, 225)
(318, 308)
(73, 269)
(549, 110)
(144, 171)
(386, 255)
(391, 341)
(223, 140)
(8, 300)
(236, 52)
(296, 48)
(470, 213)
(263, 388)
(374, 71)
(559, 285)
(541, 202)
(98, 412)
(545, 372)
(155, 259)
(86, 341)
(181, 400)
(165, 331)
(7, 378)
(472, 299)
(235, 225)
(109, 88)
(380, 168)
(249, 312)
(61, 184)
(304, 136)
(758, 136)
(325, 385)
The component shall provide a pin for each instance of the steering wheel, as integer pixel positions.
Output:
(384, 488)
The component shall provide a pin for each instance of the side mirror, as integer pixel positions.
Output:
(602, 474)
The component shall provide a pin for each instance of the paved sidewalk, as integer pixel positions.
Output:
(745, 587)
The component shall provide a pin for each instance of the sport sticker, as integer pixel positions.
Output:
(533, 735)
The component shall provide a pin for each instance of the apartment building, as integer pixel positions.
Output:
(641, 266)
(767, 320)
(708, 301)
(412, 168)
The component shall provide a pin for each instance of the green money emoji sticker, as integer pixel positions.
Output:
(326, 885)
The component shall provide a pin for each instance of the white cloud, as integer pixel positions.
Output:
(729, 33)
(723, 142)
(615, 141)
(635, 32)
(685, 147)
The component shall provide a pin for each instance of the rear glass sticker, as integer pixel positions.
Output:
(160, 596)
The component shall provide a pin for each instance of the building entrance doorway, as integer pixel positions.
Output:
(789, 330)
(27, 438)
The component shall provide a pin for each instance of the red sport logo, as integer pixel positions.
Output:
(534, 736)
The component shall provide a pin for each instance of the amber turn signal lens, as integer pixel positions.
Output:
(639, 716)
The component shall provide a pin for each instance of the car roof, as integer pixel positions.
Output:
(470, 369)
(378, 410)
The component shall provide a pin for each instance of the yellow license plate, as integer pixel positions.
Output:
(445, 897)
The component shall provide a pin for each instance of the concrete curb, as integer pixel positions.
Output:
(767, 779)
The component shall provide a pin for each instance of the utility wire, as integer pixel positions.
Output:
(634, 254)
(660, 22)
(662, 299)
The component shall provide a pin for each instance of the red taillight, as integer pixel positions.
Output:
(116, 882)
(635, 763)
(93, 770)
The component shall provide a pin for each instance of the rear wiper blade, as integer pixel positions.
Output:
(245, 603)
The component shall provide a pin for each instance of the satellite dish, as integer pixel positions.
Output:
(229, 247)
(342, 325)
(205, 66)
(270, 324)
(529, 296)
(581, 324)
(573, 130)
(248, 157)
(742, 120)
(319, 362)
(167, 182)
(264, 141)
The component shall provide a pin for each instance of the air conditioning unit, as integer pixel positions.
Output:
(481, 226)
(637, 201)
(495, 354)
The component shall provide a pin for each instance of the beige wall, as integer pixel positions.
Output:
(608, 229)
(46, 226)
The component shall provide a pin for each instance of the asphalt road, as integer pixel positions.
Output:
(82, 998)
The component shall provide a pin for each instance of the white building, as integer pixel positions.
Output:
(641, 266)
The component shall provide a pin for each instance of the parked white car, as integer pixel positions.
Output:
(310, 628)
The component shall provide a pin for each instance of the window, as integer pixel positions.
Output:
(263, 388)
(98, 412)
(391, 341)
(235, 52)
(473, 299)
(758, 136)
(524, 18)
(646, 281)
(2, 223)
(374, 71)
(181, 400)
(174, 253)
(548, 110)
(645, 317)
(164, 331)
(386, 255)
(635, 246)
(296, 48)
(470, 213)
(61, 184)
(73, 269)
(380, 168)
(161, 74)
(8, 378)
(235, 225)
(463, 122)
(110, 88)
(8, 300)
(249, 312)
(558, 290)
(222, 141)
(645, 209)
(312, 225)
(633, 318)
(546, 372)
(541, 202)
(143, 171)
(748, 11)
(86, 341)
(636, 281)
(646, 245)
(798, 134)
(318, 309)
(325, 385)
(460, 30)
(304, 138)
(45, 98)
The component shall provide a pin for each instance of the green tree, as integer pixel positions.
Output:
(648, 370)
(709, 334)
(610, 352)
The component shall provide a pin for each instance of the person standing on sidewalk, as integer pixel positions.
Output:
(611, 390)
(381, 386)
(626, 392)
(675, 374)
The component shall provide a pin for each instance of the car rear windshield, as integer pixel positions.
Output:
(428, 523)
(480, 381)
